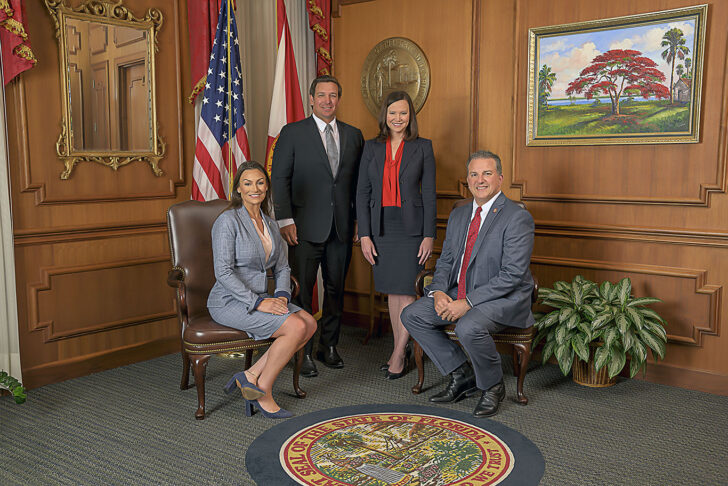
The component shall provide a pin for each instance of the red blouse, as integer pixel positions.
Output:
(390, 181)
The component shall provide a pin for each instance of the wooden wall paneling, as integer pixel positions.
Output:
(699, 310)
(655, 213)
(609, 167)
(444, 31)
(115, 295)
(92, 252)
(445, 115)
(496, 97)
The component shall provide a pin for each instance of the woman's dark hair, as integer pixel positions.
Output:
(236, 200)
(411, 132)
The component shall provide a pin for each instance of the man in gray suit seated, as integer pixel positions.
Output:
(482, 283)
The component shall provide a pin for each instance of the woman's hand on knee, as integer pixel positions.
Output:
(273, 306)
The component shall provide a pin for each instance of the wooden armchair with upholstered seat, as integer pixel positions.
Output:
(189, 224)
(521, 339)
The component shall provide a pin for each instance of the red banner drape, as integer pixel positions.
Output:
(319, 20)
(202, 22)
(17, 55)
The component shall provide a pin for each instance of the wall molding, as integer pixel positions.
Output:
(37, 236)
(714, 292)
(698, 237)
(46, 275)
(474, 116)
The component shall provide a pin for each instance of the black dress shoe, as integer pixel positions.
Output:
(308, 368)
(384, 367)
(490, 400)
(462, 384)
(330, 358)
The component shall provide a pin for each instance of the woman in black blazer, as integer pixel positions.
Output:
(396, 212)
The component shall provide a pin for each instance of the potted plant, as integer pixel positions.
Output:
(12, 385)
(599, 325)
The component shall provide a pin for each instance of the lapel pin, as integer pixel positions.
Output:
(495, 210)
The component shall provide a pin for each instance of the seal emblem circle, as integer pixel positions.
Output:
(396, 449)
(395, 64)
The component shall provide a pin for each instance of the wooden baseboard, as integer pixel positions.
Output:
(699, 380)
(73, 368)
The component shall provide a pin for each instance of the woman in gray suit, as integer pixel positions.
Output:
(396, 212)
(245, 243)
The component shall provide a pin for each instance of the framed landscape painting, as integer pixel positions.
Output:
(624, 80)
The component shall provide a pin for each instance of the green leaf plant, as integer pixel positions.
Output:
(12, 385)
(606, 314)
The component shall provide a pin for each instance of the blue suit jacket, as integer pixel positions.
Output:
(498, 279)
(416, 187)
(239, 259)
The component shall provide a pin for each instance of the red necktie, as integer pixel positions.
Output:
(472, 236)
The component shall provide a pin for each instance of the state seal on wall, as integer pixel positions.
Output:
(395, 64)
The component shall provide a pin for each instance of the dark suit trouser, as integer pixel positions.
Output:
(334, 256)
(473, 331)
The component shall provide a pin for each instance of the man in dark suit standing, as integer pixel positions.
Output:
(482, 282)
(315, 168)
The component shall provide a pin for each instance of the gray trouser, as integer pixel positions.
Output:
(473, 331)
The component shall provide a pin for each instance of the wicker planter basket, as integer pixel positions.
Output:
(584, 373)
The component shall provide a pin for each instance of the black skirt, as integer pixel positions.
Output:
(397, 263)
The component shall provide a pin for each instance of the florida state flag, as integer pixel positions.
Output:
(286, 105)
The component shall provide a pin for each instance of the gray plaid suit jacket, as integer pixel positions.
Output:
(239, 259)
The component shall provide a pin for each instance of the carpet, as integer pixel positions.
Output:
(381, 445)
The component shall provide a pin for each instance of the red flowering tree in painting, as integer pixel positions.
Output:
(619, 72)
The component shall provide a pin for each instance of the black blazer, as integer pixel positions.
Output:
(304, 187)
(416, 188)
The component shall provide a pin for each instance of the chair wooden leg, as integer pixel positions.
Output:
(248, 358)
(185, 384)
(516, 362)
(296, 372)
(199, 367)
(419, 361)
(524, 354)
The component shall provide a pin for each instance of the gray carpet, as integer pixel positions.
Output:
(133, 425)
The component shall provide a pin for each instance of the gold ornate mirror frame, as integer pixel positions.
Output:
(107, 16)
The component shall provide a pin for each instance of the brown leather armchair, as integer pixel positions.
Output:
(189, 224)
(520, 339)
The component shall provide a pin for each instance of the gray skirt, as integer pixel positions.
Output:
(397, 264)
(259, 325)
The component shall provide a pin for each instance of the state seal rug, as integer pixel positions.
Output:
(382, 445)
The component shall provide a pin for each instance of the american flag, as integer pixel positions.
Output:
(210, 171)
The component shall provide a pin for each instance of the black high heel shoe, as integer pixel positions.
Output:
(405, 369)
(280, 414)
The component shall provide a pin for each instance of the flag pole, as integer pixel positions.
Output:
(230, 120)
